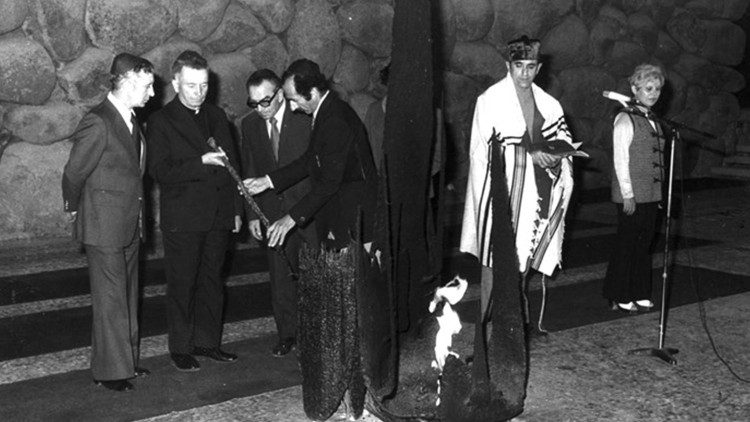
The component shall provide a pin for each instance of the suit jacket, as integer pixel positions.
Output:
(342, 175)
(194, 196)
(258, 159)
(102, 179)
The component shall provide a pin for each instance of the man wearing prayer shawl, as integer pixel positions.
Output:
(517, 117)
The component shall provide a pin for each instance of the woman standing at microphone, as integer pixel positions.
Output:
(638, 145)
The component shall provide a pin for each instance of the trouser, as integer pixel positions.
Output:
(628, 275)
(195, 292)
(113, 276)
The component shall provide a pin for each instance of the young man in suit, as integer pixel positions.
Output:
(272, 137)
(103, 192)
(343, 179)
(199, 205)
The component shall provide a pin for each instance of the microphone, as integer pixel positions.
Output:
(616, 96)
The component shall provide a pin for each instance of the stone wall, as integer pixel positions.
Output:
(56, 54)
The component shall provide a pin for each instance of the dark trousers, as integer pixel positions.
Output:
(113, 276)
(629, 271)
(284, 286)
(195, 291)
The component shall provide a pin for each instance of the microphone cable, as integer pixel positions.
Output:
(700, 301)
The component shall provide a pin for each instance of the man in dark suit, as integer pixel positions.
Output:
(272, 137)
(103, 192)
(343, 179)
(199, 206)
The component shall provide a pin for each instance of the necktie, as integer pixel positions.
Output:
(274, 137)
(136, 135)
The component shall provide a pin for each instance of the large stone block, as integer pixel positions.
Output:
(14, 12)
(624, 57)
(696, 101)
(162, 58)
(86, 79)
(30, 192)
(473, 19)
(199, 18)
(662, 11)
(724, 42)
(269, 53)
(136, 26)
(360, 102)
(460, 95)
(514, 18)
(713, 77)
(667, 50)
(58, 26)
(276, 15)
(673, 94)
(231, 71)
(239, 28)
(643, 30)
(734, 9)
(588, 10)
(687, 29)
(478, 60)
(566, 44)
(45, 124)
(28, 74)
(314, 34)
(353, 70)
(604, 33)
(367, 25)
(582, 91)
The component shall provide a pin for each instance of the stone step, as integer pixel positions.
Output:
(732, 172)
(742, 160)
(743, 148)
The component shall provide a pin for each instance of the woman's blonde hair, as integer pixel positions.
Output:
(646, 72)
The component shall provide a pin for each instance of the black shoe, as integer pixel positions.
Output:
(184, 362)
(115, 385)
(283, 347)
(214, 353)
(141, 372)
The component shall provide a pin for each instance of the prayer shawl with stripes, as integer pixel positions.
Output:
(538, 241)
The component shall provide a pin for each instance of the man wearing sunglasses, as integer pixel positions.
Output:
(272, 137)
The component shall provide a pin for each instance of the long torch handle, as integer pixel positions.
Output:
(249, 198)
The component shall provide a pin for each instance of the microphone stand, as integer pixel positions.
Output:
(665, 353)
(254, 205)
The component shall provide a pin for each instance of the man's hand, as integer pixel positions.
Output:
(237, 224)
(628, 206)
(72, 216)
(278, 230)
(256, 185)
(254, 226)
(213, 159)
(544, 160)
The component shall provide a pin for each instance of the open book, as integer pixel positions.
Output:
(559, 147)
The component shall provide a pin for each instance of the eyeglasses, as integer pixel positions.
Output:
(264, 102)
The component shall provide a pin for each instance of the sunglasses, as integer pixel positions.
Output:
(264, 102)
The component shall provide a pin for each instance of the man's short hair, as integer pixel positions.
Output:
(191, 59)
(261, 75)
(126, 62)
(306, 75)
(645, 72)
(523, 48)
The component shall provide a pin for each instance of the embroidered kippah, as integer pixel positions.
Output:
(523, 48)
